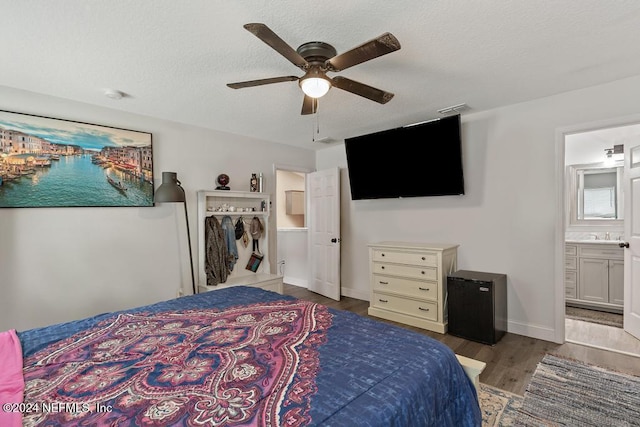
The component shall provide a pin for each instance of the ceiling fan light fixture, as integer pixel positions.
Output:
(315, 87)
(315, 84)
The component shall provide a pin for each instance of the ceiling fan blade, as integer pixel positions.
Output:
(309, 105)
(382, 45)
(250, 83)
(265, 34)
(362, 89)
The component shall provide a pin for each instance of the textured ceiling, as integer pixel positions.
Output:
(174, 58)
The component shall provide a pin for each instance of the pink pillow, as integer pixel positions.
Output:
(11, 379)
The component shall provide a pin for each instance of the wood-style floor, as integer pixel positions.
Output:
(510, 363)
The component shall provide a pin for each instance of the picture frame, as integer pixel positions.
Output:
(51, 162)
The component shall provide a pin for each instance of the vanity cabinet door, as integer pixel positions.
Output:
(616, 281)
(594, 280)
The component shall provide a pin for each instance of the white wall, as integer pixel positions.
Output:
(59, 264)
(508, 220)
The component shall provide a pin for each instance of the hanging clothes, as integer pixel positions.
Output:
(245, 239)
(255, 229)
(239, 228)
(241, 232)
(216, 253)
(230, 240)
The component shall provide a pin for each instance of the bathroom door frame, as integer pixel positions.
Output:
(561, 133)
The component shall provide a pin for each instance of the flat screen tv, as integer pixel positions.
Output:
(412, 161)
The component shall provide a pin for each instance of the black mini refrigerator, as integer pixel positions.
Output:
(477, 304)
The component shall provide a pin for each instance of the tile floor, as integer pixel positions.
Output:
(602, 337)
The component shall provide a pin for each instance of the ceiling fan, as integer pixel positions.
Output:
(316, 59)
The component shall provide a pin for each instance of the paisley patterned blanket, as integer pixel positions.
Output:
(247, 365)
(240, 357)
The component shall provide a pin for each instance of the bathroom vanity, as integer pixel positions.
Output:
(594, 274)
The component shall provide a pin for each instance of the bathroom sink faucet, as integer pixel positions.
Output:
(595, 236)
(607, 236)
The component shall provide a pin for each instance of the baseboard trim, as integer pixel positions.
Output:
(534, 331)
(354, 293)
(295, 281)
(345, 292)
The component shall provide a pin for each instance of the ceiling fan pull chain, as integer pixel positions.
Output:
(317, 118)
(313, 132)
(315, 127)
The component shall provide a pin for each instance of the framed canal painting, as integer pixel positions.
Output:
(48, 162)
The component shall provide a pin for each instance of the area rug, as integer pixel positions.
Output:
(565, 392)
(594, 316)
(499, 408)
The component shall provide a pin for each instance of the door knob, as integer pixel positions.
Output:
(623, 244)
(334, 240)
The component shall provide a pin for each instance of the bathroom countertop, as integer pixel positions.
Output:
(595, 242)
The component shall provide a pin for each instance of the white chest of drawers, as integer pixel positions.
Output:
(409, 282)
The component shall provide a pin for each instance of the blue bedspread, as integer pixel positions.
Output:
(371, 373)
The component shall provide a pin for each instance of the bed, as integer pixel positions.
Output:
(237, 357)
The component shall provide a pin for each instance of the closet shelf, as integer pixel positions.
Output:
(250, 213)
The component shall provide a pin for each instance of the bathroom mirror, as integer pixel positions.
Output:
(595, 194)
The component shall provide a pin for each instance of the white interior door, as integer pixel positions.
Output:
(632, 238)
(323, 188)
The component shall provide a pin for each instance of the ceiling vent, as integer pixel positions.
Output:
(326, 140)
(454, 109)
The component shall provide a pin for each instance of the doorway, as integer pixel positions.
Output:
(593, 203)
(291, 224)
(315, 253)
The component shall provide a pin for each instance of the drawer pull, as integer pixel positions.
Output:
(383, 283)
(382, 267)
(423, 258)
(423, 309)
(382, 254)
(383, 300)
(422, 272)
(423, 289)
